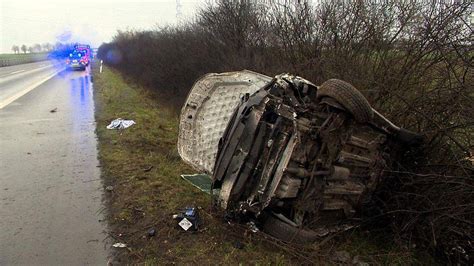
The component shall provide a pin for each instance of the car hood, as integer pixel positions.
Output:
(207, 111)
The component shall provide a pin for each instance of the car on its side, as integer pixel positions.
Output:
(298, 160)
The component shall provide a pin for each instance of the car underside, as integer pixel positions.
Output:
(297, 158)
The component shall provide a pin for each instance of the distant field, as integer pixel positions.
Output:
(16, 59)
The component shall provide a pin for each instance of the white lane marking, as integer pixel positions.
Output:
(19, 71)
(24, 70)
(36, 120)
(25, 91)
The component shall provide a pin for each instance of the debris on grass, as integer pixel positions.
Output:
(119, 245)
(201, 181)
(151, 232)
(120, 123)
(148, 168)
(109, 188)
(188, 219)
(185, 224)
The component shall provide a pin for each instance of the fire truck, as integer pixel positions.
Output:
(85, 51)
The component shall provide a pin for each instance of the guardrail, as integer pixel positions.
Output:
(22, 60)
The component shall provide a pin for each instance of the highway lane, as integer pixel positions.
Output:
(9, 70)
(15, 81)
(50, 188)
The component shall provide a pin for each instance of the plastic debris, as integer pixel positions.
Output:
(148, 169)
(202, 181)
(120, 123)
(188, 219)
(151, 232)
(109, 188)
(185, 224)
(119, 245)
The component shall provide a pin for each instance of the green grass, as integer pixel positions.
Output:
(147, 199)
(22, 55)
(21, 58)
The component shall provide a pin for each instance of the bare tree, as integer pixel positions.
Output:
(37, 48)
(15, 49)
(58, 46)
(46, 47)
(24, 48)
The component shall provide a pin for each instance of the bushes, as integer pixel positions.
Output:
(413, 60)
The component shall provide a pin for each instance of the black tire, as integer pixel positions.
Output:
(349, 97)
(288, 233)
(408, 137)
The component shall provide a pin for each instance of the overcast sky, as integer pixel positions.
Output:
(85, 21)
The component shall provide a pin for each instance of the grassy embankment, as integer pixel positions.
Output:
(144, 198)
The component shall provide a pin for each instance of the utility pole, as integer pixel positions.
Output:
(179, 15)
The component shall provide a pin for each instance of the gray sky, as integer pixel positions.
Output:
(85, 21)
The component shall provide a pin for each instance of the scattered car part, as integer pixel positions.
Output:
(188, 219)
(202, 182)
(151, 232)
(298, 158)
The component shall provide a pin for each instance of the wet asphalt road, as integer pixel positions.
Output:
(50, 188)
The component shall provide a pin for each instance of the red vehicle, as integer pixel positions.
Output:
(85, 51)
(80, 57)
(76, 60)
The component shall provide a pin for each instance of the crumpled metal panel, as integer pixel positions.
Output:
(207, 110)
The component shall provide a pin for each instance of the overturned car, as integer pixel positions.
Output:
(299, 159)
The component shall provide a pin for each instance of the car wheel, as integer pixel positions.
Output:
(349, 97)
(288, 233)
(409, 137)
